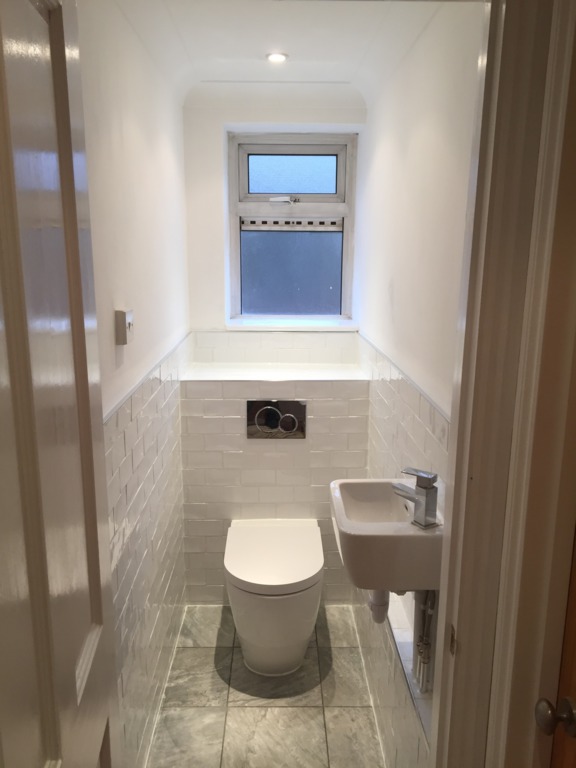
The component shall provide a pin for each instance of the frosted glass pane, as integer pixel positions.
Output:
(292, 174)
(291, 273)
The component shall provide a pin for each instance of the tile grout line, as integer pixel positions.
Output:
(228, 697)
(379, 735)
(322, 697)
(159, 712)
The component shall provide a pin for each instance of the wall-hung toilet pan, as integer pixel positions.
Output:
(274, 579)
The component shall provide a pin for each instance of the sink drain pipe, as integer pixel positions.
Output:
(378, 602)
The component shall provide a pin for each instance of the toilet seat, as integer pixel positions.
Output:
(273, 557)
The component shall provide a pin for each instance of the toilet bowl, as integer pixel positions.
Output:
(274, 578)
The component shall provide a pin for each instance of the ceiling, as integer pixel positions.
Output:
(226, 41)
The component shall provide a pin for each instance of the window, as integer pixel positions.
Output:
(291, 224)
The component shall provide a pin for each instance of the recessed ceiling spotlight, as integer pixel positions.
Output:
(277, 58)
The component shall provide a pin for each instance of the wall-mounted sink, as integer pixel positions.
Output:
(378, 543)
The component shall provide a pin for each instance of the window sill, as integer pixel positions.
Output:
(291, 323)
(272, 372)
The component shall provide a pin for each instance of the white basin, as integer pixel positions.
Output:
(378, 543)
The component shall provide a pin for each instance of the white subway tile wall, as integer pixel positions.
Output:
(405, 429)
(143, 464)
(290, 347)
(226, 476)
(355, 428)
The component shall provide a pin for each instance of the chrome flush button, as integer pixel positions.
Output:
(275, 419)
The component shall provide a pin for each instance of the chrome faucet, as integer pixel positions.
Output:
(424, 496)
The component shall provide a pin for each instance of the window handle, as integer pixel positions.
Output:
(284, 199)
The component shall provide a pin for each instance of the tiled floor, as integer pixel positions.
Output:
(218, 714)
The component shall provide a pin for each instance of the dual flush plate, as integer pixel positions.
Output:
(275, 419)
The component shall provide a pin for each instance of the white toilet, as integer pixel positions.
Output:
(274, 579)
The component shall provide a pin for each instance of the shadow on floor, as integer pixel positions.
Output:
(315, 668)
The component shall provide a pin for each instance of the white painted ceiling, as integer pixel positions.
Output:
(226, 41)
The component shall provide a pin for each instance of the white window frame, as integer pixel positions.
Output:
(243, 205)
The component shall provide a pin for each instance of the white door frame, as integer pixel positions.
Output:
(541, 519)
(527, 71)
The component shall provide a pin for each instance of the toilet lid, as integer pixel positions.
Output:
(269, 558)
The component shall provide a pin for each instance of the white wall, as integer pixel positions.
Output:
(208, 112)
(414, 166)
(420, 83)
(135, 172)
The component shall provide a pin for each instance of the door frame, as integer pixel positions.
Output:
(541, 521)
(483, 604)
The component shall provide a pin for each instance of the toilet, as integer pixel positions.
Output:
(274, 578)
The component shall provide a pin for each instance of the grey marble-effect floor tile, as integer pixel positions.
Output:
(207, 626)
(406, 652)
(343, 678)
(271, 737)
(199, 677)
(336, 628)
(299, 689)
(352, 738)
(188, 738)
(424, 709)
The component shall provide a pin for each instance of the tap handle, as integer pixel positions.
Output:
(423, 479)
